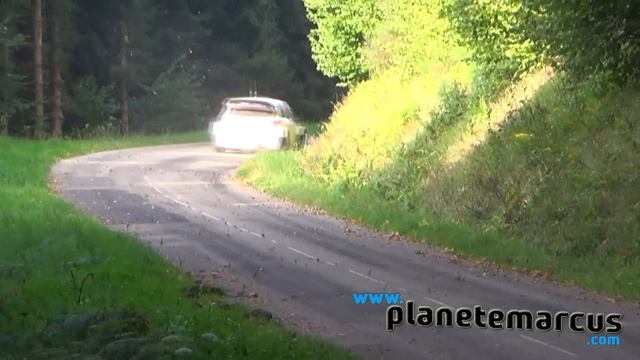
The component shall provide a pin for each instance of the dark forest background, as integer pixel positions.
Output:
(118, 66)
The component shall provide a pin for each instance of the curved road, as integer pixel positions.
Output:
(303, 266)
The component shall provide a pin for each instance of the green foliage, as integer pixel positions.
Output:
(342, 29)
(93, 109)
(263, 43)
(13, 82)
(412, 37)
(363, 131)
(66, 35)
(412, 59)
(234, 44)
(559, 175)
(459, 123)
(175, 102)
(552, 189)
(143, 64)
(495, 30)
(454, 106)
(588, 37)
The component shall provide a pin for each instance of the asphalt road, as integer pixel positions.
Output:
(303, 266)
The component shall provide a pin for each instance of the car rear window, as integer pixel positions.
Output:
(250, 109)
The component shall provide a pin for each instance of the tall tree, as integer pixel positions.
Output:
(135, 69)
(37, 68)
(268, 61)
(57, 50)
(12, 81)
(124, 68)
(342, 29)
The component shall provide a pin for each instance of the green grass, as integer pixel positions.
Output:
(279, 174)
(553, 192)
(313, 128)
(121, 287)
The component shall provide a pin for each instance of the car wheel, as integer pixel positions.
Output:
(305, 140)
(216, 148)
(278, 144)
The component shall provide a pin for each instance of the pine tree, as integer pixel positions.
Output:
(37, 69)
(134, 71)
(268, 62)
(59, 43)
(12, 81)
(124, 65)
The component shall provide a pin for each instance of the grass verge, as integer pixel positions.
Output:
(71, 287)
(279, 174)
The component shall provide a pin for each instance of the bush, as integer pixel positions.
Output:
(547, 175)
(175, 102)
(368, 126)
(589, 37)
(342, 29)
(454, 106)
(412, 38)
(93, 109)
(585, 38)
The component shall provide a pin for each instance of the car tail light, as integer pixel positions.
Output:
(278, 122)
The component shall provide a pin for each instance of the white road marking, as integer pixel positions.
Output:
(152, 185)
(87, 188)
(248, 204)
(302, 253)
(207, 153)
(210, 216)
(108, 162)
(548, 345)
(181, 203)
(179, 183)
(205, 214)
(364, 276)
(437, 302)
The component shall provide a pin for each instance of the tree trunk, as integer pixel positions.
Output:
(57, 116)
(4, 124)
(124, 73)
(37, 68)
(4, 97)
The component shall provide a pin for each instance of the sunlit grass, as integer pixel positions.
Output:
(500, 110)
(314, 128)
(374, 120)
(277, 174)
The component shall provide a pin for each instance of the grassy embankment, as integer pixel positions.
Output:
(543, 178)
(71, 286)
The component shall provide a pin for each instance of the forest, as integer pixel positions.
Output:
(79, 68)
